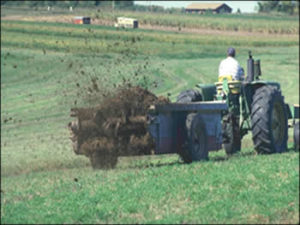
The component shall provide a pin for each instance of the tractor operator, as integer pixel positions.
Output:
(231, 70)
(231, 67)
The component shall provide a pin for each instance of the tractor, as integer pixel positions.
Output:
(206, 118)
(253, 105)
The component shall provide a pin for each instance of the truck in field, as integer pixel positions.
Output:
(124, 22)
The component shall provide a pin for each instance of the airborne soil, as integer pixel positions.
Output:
(117, 127)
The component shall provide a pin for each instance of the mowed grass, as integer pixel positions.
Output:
(270, 24)
(47, 68)
(246, 189)
(232, 22)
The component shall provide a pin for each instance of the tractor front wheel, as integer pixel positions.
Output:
(269, 121)
(231, 134)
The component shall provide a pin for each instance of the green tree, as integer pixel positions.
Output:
(126, 4)
(50, 3)
(31, 3)
(289, 7)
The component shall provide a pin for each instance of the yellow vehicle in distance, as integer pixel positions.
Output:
(124, 22)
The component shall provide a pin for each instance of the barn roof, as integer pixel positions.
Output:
(204, 5)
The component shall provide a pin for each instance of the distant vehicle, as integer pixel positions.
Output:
(81, 20)
(124, 22)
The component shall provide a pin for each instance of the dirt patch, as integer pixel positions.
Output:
(117, 127)
(57, 19)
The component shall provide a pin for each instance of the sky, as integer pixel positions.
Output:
(245, 6)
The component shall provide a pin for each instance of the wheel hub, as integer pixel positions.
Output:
(277, 124)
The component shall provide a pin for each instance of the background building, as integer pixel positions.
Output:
(208, 7)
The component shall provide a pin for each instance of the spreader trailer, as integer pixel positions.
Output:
(189, 129)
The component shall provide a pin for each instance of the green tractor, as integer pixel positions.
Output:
(253, 105)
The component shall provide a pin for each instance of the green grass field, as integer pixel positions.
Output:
(47, 68)
(273, 24)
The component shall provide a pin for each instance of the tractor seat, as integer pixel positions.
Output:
(233, 85)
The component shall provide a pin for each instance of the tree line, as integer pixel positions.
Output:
(78, 3)
(289, 7)
(118, 5)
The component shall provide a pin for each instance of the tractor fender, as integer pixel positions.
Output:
(207, 91)
(250, 88)
(259, 83)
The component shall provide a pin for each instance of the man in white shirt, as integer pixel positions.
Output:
(230, 124)
(230, 66)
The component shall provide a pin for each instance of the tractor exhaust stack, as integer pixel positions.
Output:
(250, 68)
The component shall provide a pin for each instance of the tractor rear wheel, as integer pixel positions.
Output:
(296, 136)
(269, 120)
(196, 146)
(189, 96)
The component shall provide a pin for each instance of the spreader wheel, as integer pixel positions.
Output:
(195, 148)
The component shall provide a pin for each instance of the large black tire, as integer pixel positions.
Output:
(296, 136)
(189, 96)
(231, 134)
(196, 146)
(269, 121)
